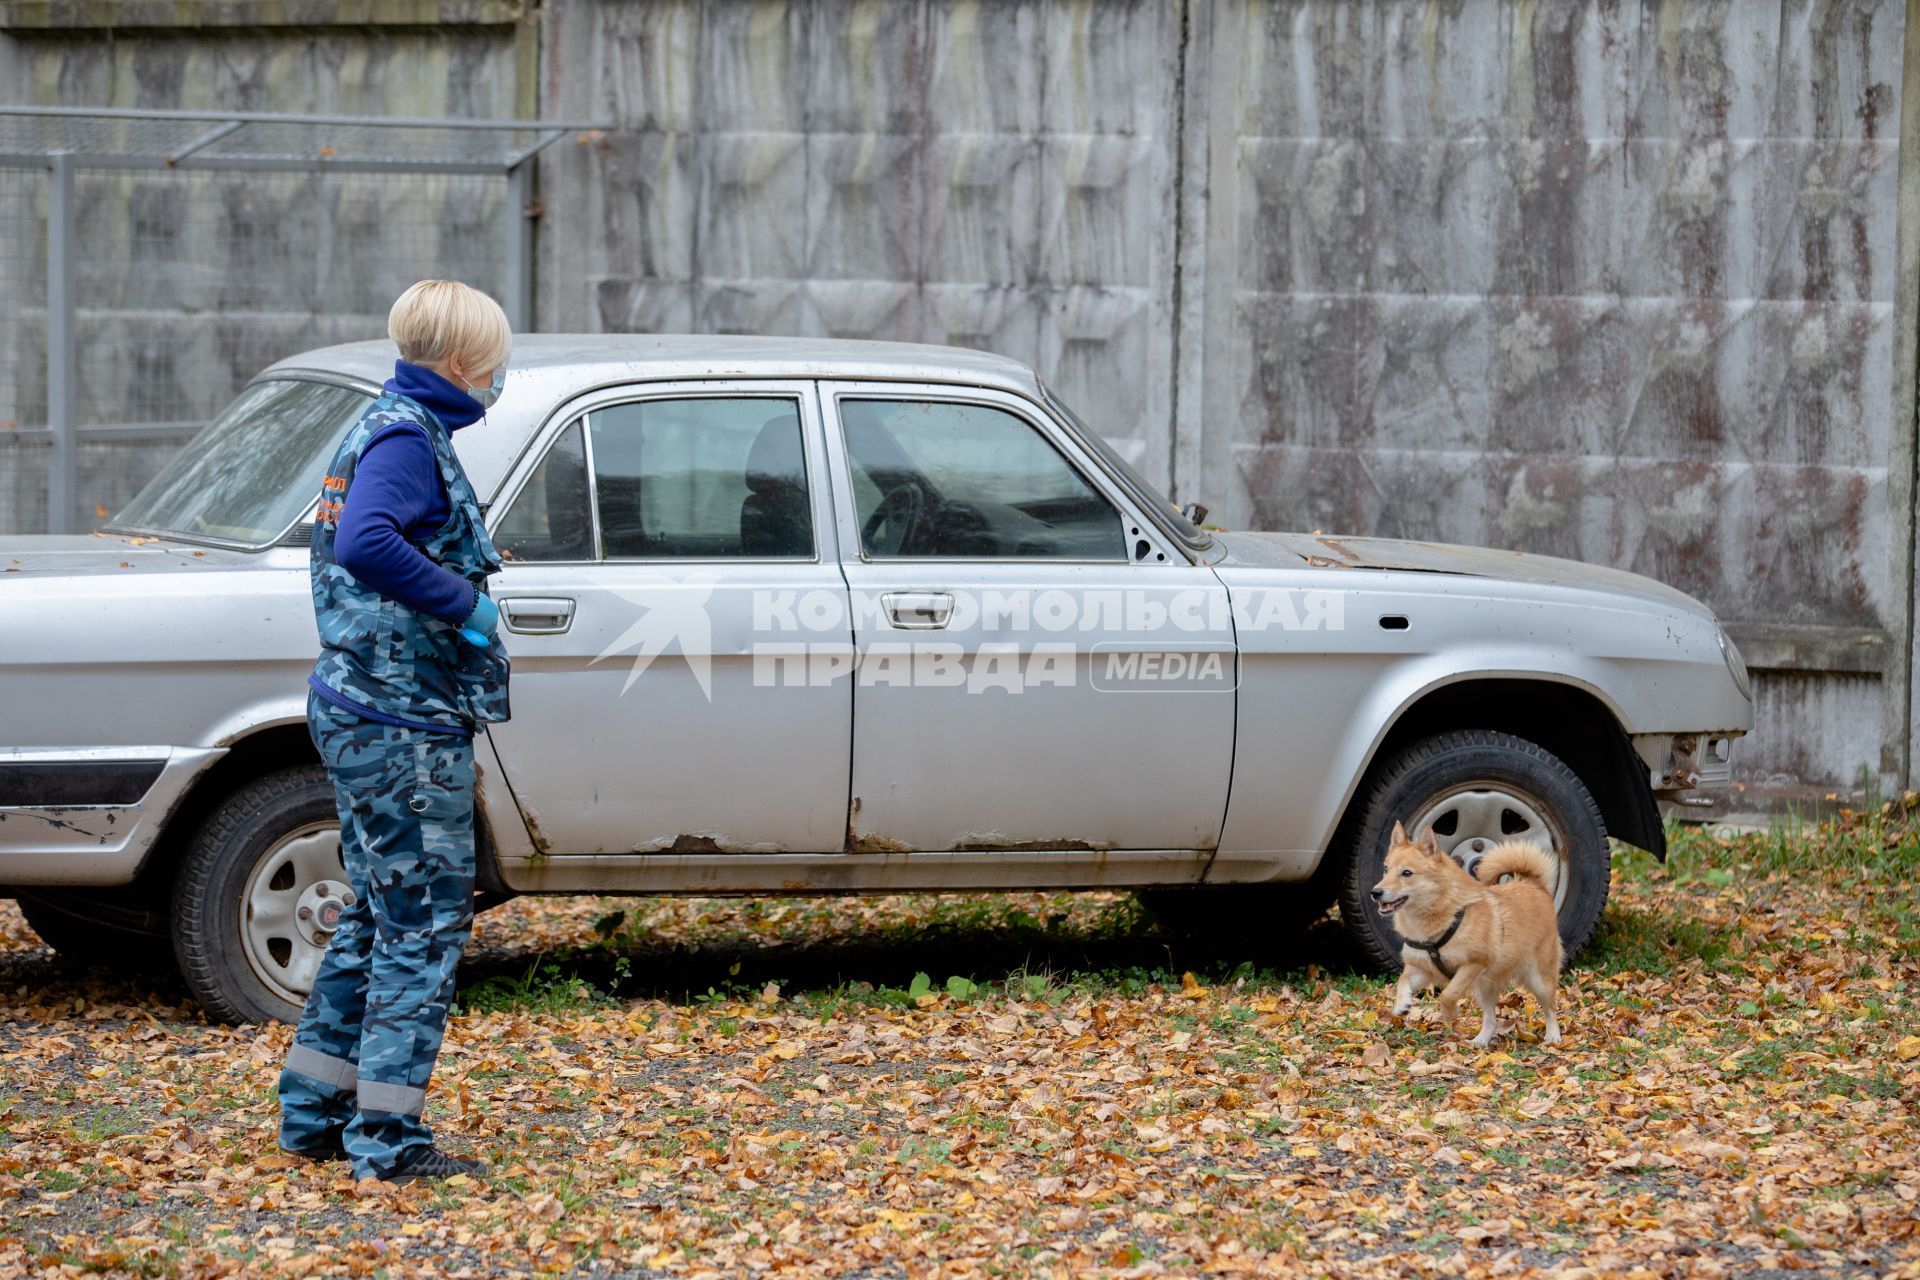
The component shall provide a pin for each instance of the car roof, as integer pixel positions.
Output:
(569, 363)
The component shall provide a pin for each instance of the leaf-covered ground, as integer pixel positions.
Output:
(734, 1087)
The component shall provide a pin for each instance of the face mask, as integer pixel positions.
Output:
(488, 394)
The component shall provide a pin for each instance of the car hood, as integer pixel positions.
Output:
(1291, 550)
(70, 555)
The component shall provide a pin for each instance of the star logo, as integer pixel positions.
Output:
(673, 618)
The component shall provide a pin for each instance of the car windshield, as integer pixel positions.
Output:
(253, 471)
(1143, 492)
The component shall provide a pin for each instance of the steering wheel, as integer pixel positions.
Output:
(899, 510)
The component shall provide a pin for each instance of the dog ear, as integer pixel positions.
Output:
(1399, 834)
(1428, 843)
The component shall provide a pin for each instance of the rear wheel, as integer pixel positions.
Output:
(259, 895)
(1475, 788)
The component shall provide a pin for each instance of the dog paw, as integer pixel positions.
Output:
(1552, 1037)
(1481, 1041)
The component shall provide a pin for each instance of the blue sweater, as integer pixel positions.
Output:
(397, 501)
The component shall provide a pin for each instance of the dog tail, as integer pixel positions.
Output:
(1521, 859)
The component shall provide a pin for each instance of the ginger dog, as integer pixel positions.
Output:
(1468, 935)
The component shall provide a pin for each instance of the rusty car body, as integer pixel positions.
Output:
(773, 632)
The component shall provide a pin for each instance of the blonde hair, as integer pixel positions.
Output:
(436, 320)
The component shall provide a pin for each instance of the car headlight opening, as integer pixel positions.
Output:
(1736, 665)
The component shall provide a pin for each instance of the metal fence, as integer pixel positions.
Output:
(152, 262)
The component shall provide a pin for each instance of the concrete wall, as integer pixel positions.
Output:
(1613, 281)
(998, 175)
(188, 283)
(1609, 281)
(1621, 280)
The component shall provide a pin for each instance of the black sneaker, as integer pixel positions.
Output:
(324, 1152)
(431, 1162)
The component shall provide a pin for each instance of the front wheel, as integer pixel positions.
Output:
(259, 896)
(1475, 788)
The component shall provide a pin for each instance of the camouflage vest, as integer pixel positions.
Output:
(379, 652)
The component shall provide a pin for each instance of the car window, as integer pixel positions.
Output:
(1143, 492)
(551, 518)
(254, 469)
(945, 479)
(701, 478)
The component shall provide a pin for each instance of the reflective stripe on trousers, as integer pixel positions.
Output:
(339, 1073)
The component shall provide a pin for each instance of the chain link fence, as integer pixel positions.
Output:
(203, 249)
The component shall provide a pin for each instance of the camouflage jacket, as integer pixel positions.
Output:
(378, 652)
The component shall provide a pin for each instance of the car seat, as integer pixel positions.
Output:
(775, 519)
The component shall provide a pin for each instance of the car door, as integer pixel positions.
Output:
(1035, 667)
(643, 543)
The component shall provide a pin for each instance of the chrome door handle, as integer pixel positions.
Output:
(918, 610)
(537, 615)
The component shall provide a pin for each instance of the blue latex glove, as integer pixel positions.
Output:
(480, 625)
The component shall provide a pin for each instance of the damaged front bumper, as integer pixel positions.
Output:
(1680, 763)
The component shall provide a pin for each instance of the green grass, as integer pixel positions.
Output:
(1651, 940)
(545, 987)
(1881, 841)
(97, 1124)
(1872, 853)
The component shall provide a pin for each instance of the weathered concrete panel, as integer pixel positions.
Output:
(1829, 744)
(189, 283)
(42, 16)
(997, 174)
(1614, 281)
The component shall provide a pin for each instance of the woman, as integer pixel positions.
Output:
(409, 664)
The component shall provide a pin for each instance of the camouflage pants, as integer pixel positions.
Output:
(361, 1057)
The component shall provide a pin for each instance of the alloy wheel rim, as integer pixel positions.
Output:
(290, 908)
(1476, 818)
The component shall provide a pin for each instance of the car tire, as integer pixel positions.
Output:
(1485, 780)
(241, 857)
(88, 932)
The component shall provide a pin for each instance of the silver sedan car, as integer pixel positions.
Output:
(793, 616)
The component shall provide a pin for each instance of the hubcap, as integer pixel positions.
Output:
(291, 907)
(1469, 821)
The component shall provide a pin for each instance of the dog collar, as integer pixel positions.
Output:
(1432, 947)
